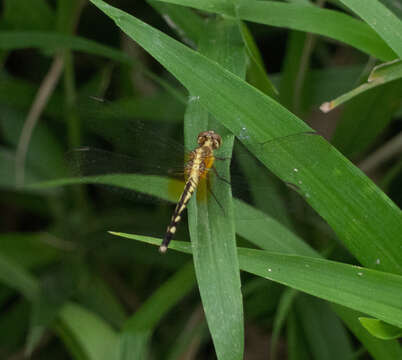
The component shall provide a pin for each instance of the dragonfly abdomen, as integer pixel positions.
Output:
(201, 161)
(185, 197)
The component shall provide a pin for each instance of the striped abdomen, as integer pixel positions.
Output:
(201, 161)
(176, 218)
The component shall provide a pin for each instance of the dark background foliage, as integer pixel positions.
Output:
(58, 236)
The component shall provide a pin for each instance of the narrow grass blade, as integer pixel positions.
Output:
(325, 334)
(85, 334)
(381, 329)
(381, 19)
(323, 176)
(380, 75)
(14, 40)
(139, 327)
(297, 344)
(211, 224)
(330, 23)
(16, 277)
(365, 117)
(188, 25)
(374, 292)
(284, 307)
(256, 73)
(379, 349)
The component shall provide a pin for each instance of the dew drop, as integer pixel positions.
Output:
(378, 261)
(295, 169)
(269, 270)
(193, 98)
(243, 135)
(360, 273)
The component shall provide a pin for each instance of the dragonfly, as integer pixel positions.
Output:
(151, 153)
(198, 164)
(201, 161)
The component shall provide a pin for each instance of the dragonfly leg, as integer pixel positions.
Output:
(220, 177)
(214, 196)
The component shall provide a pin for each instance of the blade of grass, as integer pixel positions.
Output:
(212, 235)
(139, 327)
(365, 117)
(86, 335)
(330, 23)
(380, 75)
(381, 329)
(184, 21)
(284, 307)
(376, 293)
(378, 348)
(241, 108)
(16, 277)
(14, 40)
(265, 233)
(256, 73)
(297, 344)
(325, 334)
(381, 19)
(32, 250)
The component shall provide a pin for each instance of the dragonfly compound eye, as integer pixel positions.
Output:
(210, 135)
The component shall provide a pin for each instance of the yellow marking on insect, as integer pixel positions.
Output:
(201, 160)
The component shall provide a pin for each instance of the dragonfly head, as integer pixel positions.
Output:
(209, 136)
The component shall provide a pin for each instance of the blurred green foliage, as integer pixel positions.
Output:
(71, 78)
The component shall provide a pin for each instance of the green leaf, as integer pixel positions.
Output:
(394, 6)
(374, 292)
(380, 329)
(326, 336)
(139, 327)
(297, 344)
(16, 277)
(380, 75)
(381, 19)
(86, 335)
(32, 250)
(267, 233)
(14, 40)
(317, 170)
(256, 73)
(290, 75)
(330, 23)
(7, 170)
(284, 307)
(97, 295)
(184, 21)
(365, 117)
(45, 153)
(377, 348)
(216, 262)
(55, 289)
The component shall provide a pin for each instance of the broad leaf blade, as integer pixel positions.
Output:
(374, 292)
(211, 224)
(381, 19)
